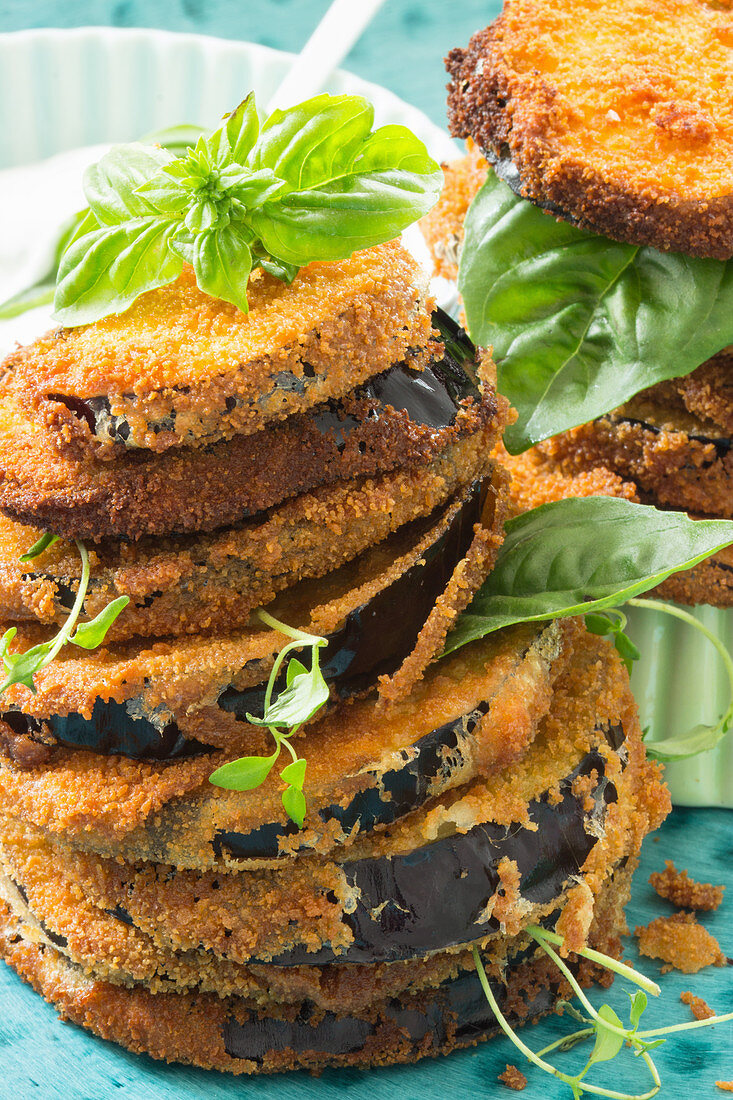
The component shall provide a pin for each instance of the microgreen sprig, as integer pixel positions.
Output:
(20, 668)
(304, 694)
(604, 1024)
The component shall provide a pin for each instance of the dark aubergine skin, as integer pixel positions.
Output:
(455, 1012)
(374, 640)
(435, 895)
(430, 397)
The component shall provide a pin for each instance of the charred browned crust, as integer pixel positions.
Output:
(206, 583)
(608, 120)
(200, 1028)
(707, 393)
(199, 490)
(673, 458)
(182, 368)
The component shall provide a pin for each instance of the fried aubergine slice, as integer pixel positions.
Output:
(508, 848)
(383, 615)
(49, 911)
(537, 479)
(472, 714)
(400, 418)
(180, 368)
(673, 457)
(208, 583)
(240, 1034)
(607, 118)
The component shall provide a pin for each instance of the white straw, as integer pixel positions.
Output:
(324, 51)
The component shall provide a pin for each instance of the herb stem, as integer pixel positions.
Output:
(290, 631)
(568, 1040)
(579, 993)
(620, 968)
(710, 1022)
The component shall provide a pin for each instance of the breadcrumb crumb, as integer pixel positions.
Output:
(680, 942)
(513, 1078)
(700, 1010)
(677, 887)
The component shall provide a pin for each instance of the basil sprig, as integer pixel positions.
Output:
(313, 183)
(584, 554)
(580, 323)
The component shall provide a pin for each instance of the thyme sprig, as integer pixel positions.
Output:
(20, 668)
(604, 1024)
(304, 694)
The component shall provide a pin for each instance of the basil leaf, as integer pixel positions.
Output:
(244, 774)
(252, 189)
(294, 773)
(105, 270)
(700, 738)
(310, 144)
(165, 193)
(294, 803)
(222, 262)
(111, 185)
(92, 634)
(580, 323)
(233, 141)
(38, 547)
(21, 666)
(608, 1043)
(584, 554)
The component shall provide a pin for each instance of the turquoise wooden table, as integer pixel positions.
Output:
(41, 1058)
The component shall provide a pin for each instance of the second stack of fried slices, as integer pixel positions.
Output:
(329, 457)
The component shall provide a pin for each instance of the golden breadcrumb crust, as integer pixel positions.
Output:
(619, 117)
(677, 887)
(707, 393)
(198, 490)
(183, 368)
(680, 942)
(204, 583)
(177, 1027)
(513, 1078)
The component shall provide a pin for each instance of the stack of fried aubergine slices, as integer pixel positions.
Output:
(200, 924)
(518, 105)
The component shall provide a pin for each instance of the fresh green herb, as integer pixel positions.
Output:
(313, 183)
(580, 323)
(702, 737)
(20, 668)
(603, 1025)
(583, 555)
(612, 622)
(304, 694)
(46, 540)
(176, 139)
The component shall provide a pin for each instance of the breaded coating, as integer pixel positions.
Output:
(442, 228)
(236, 1035)
(680, 942)
(608, 115)
(707, 393)
(671, 456)
(700, 1010)
(677, 887)
(199, 490)
(182, 368)
(204, 583)
(513, 1078)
